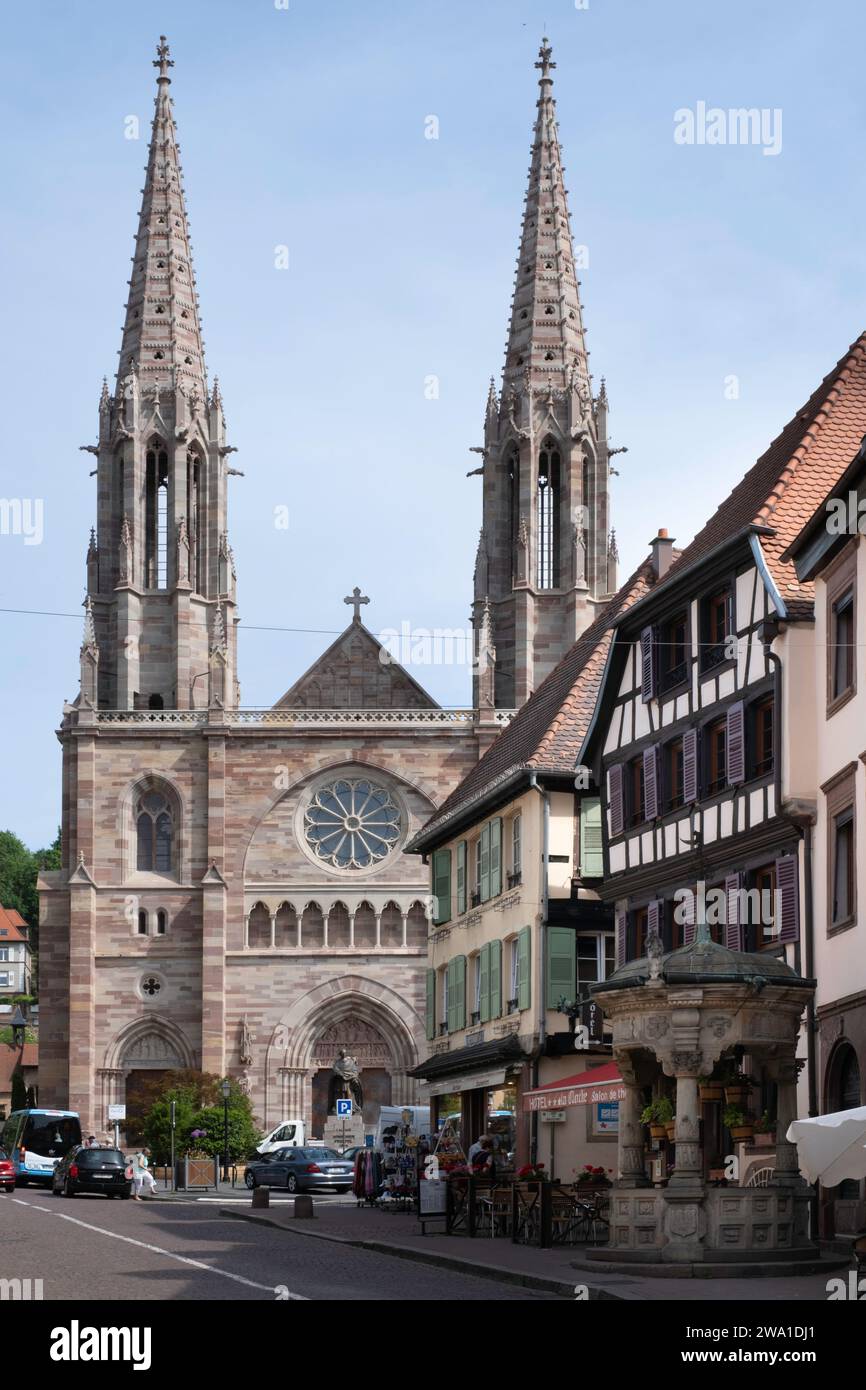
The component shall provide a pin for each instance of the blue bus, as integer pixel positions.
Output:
(36, 1140)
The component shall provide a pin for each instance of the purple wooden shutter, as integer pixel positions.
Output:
(620, 919)
(614, 794)
(788, 889)
(647, 665)
(690, 766)
(733, 925)
(735, 747)
(654, 917)
(651, 783)
(688, 910)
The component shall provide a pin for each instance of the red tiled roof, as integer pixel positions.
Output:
(11, 922)
(9, 1059)
(548, 731)
(793, 476)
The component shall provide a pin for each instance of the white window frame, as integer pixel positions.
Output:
(476, 986)
(4, 953)
(444, 1016)
(517, 844)
(6, 977)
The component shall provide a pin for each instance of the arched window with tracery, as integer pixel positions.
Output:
(548, 515)
(193, 507)
(156, 516)
(154, 828)
(514, 507)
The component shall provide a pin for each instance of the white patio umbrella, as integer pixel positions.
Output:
(831, 1148)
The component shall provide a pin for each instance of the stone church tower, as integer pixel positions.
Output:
(545, 558)
(234, 895)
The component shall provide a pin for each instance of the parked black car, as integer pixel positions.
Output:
(92, 1170)
(301, 1170)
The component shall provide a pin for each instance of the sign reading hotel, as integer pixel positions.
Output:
(583, 1093)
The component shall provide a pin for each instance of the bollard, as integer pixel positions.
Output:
(261, 1197)
(304, 1207)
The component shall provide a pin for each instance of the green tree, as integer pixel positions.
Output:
(18, 870)
(199, 1105)
(242, 1132)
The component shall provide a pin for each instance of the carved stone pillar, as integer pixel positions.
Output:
(273, 930)
(378, 930)
(351, 931)
(787, 1170)
(246, 931)
(630, 1140)
(404, 918)
(689, 1169)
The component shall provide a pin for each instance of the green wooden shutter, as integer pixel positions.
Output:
(496, 856)
(442, 884)
(495, 979)
(591, 859)
(484, 852)
(431, 1003)
(449, 995)
(461, 877)
(458, 985)
(484, 965)
(524, 968)
(561, 965)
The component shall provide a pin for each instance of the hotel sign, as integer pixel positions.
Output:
(585, 1094)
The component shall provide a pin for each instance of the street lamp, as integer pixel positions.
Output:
(226, 1090)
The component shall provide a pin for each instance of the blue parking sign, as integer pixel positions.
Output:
(344, 1107)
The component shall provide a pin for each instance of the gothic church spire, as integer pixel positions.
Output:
(162, 333)
(546, 338)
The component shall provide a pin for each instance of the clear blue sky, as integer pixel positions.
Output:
(306, 127)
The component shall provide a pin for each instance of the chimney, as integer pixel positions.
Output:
(662, 548)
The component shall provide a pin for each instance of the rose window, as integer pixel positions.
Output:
(352, 823)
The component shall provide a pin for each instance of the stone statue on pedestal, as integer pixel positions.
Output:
(345, 1083)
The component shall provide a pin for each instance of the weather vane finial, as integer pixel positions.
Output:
(545, 65)
(162, 59)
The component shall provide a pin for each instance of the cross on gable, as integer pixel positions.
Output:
(356, 598)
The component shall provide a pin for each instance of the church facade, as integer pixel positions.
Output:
(234, 894)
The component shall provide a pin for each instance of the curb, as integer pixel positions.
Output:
(495, 1273)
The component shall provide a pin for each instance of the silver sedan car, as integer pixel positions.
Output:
(301, 1170)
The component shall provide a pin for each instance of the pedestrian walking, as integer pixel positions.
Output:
(141, 1176)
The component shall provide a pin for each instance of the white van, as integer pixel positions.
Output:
(288, 1134)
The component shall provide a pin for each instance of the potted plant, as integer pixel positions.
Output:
(658, 1114)
(737, 1086)
(738, 1123)
(765, 1132)
(591, 1175)
(531, 1172)
(709, 1089)
(671, 1129)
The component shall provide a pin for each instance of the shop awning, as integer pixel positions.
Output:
(831, 1148)
(586, 1088)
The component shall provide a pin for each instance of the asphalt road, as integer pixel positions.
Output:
(89, 1248)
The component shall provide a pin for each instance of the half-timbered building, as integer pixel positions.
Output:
(698, 738)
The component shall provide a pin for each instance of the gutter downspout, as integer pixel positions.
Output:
(542, 958)
(769, 630)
